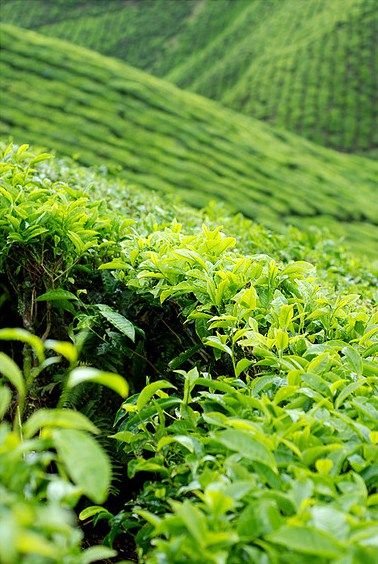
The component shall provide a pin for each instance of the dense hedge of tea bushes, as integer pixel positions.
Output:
(306, 66)
(250, 429)
(159, 137)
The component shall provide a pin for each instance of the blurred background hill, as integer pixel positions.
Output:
(308, 66)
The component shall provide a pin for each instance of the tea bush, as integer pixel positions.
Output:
(250, 432)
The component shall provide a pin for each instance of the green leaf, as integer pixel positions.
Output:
(151, 389)
(285, 316)
(118, 321)
(32, 543)
(108, 379)
(53, 295)
(259, 518)
(216, 343)
(25, 337)
(11, 371)
(86, 462)
(116, 264)
(248, 447)
(247, 298)
(93, 510)
(183, 357)
(193, 520)
(354, 360)
(39, 158)
(347, 391)
(5, 399)
(242, 365)
(57, 418)
(306, 540)
(183, 440)
(68, 350)
(298, 269)
(96, 553)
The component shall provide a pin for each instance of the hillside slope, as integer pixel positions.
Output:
(75, 101)
(306, 66)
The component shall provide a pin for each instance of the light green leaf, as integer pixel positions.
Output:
(57, 418)
(96, 553)
(248, 447)
(11, 371)
(25, 337)
(116, 264)
(242, 365)
(5, 399)
(306, 540)
(298, 269)
(93, 510)
(285, 315)
(32, 543)
(151, 389)
(183, 440)
(108, 379)
(193, 520)
(354, 359)
(247, 298)
(86, 462)
(118, 321)
(64, 348)
(58, 294)
(216, 343)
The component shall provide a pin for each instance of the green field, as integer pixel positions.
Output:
(305, 65)
(100, 110)
(188, 282)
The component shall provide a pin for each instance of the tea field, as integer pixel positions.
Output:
(193, 393)
(100, 110)
(188, 294)
(304, 65)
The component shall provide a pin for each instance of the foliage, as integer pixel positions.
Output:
(271, 456)
(101, 111)
(251, 431)
(49, 460)
(49, 233)
(305, 66)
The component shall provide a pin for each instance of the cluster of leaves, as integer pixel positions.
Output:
(255, 439)
(50, 235)
(48, 460)
(276, 457)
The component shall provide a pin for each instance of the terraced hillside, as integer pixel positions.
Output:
(308, 66)
(64, 97)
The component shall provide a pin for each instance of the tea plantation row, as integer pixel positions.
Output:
(162, 138)
(315, 76)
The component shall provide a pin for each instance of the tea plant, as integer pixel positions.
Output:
(49, 459)
(268, 452)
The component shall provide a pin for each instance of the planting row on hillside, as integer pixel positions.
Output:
(250, 430)
(165, 139)
(306, 66)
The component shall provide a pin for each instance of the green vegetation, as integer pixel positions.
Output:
(188, 295)
(161, 138)
(250, 431)
(307, 66)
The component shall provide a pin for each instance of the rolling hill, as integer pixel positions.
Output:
(307, 66)
(75, 101)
